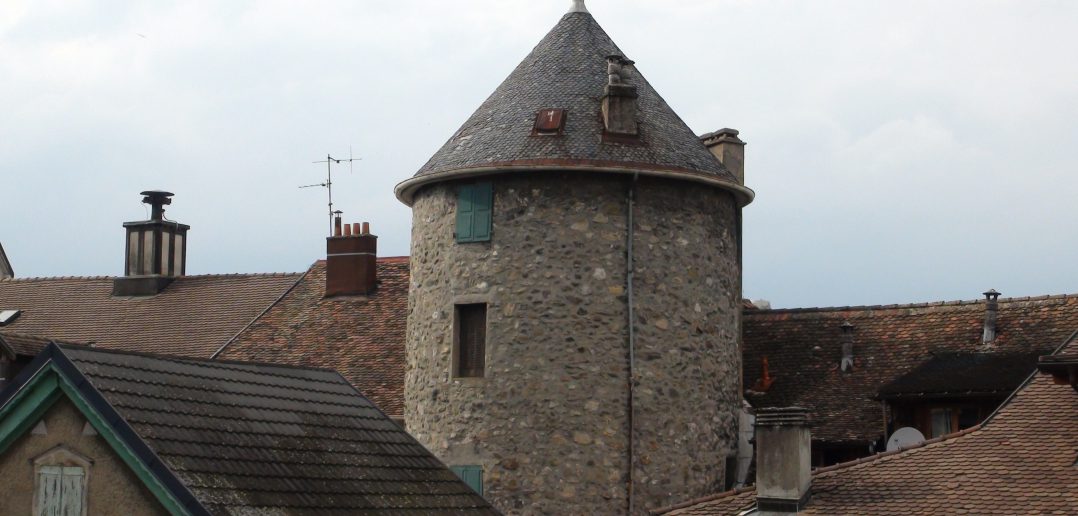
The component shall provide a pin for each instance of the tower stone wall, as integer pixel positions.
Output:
(549, 422)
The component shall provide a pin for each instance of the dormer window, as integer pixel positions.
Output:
(550, 122)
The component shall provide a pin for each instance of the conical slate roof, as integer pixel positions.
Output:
(568, 70)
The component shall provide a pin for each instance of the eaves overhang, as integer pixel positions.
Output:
(406, 190)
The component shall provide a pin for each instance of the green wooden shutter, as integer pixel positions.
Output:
(471, 475)
(474, 203)
(465, 213)
(484, 197)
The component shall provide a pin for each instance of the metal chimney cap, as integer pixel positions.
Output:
(991, 294)
(578, 7)
(157, 193)
(846, 326)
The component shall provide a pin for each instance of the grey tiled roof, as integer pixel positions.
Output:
(262, 439)
(567, 70)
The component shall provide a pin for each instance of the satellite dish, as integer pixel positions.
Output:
(903, 437)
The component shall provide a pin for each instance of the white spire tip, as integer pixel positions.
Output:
(578, 7)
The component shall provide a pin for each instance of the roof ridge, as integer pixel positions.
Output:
(703, 499)
(924, 304)
(911, 448)
(215, 275)
(208, 360)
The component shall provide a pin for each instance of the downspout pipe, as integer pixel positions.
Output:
(629, 270)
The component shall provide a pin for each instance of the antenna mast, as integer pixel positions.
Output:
(328, 185)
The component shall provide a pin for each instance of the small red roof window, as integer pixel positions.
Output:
(550, 121)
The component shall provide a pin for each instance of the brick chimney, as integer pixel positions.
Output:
(783, 460)
(991, 315)
(351, 260)
(619, 100)
(156, 250)
(730, 150)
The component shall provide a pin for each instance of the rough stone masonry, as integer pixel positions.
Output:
(550, 421)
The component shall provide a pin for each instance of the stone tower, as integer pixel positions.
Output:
(575, 312)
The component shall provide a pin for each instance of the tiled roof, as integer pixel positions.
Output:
(194, 316)
(964, 374)
(26, 345)
(568, 70)
(249, 438)
(1020, 461)
(362, 337)
(804, 349)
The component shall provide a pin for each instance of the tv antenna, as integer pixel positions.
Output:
(328, 185)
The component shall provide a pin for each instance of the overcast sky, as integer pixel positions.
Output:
(900, 151)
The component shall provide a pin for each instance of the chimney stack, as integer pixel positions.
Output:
(991, 315)
(783, 460)
(156, 250)
(351, 260)
(847, 347)
(730, 150)
(619, 100)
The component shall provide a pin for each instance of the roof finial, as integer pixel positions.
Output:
(578, 7)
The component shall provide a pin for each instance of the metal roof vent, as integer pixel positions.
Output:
(9, 316)
(991, 315)
(847, 347)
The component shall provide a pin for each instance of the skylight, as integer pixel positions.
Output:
(8, 316)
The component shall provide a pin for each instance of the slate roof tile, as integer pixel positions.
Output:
(362, 337)
(249, 438)
(568, 70)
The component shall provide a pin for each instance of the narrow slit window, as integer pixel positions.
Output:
(471, 340)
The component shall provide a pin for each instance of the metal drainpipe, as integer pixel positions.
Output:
(629, 266)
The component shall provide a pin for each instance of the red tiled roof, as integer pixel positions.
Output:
(194, 316)
(804, 347)
(361, 337)
(25, 345)
(1020, 461)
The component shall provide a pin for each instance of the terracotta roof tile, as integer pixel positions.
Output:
(27, 345)
(804, 348)
(362, 337)
(193, 317)
(1019, 461)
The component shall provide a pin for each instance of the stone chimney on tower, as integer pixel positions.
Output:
(156, 250)
(730, 150)
(783, 460)
(351, 260)
(619, 99)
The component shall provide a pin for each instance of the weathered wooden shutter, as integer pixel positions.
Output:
(474, 203)
(472, 340)
(71, 492)
(49, 491)
(471, 475)
(59, 491)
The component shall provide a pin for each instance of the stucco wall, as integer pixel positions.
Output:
(113, 489)
(549, 423)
